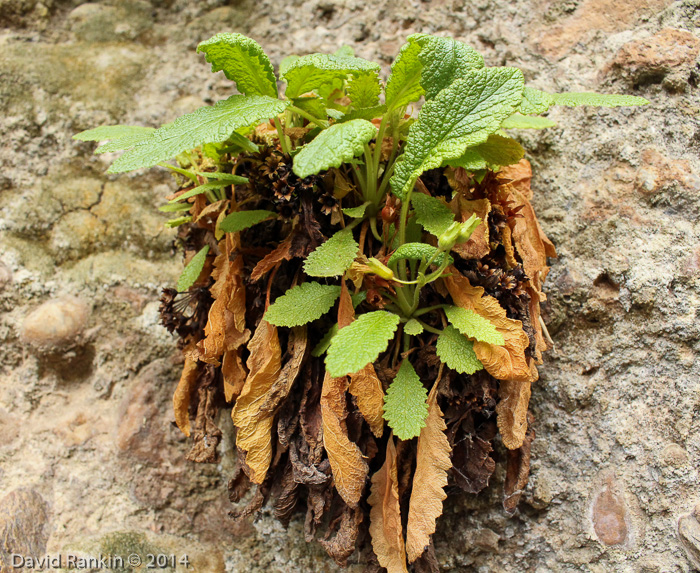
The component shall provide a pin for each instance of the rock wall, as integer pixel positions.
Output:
(89, 457)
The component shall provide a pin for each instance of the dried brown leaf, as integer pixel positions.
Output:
(517, 471)
(342, 545)
(234, 374)
(385, 516)
(287, 499)
(367, 389)
(254, 431)
(478, 245)
(206, 435)
(511, 410)
(183, 393)
(269, 261)
(507, 240)
(346, 312)
(432, 464)
(347, 463)
(297, 345)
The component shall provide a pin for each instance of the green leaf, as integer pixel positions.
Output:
(417, 252)
(403, 85)
(313, 105)
(302, 304)
(228, 178)
(184, 172)
(518, 121)
(243, 219)
(457, 351)
(405, 403)
(345, 51)
(319, 71)
(286, 63)
(470, 160)
(243, 61)
(175, 207)
(360, 342)
(356, 212)
(444, 60)
(474, 325)
(535, 102)
(364, 90)
(208, 124)
(191, 272)
(325, 342)
(199, 190)
(431, 213)
(599, 100)
(112, 132)
(413, 327)
(333, 147)
(499, 150)
(178, 221)
(368, 113)
(461, 115)
(334, 257)
(236, 139)
(358, 298)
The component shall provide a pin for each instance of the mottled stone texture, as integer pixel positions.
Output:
(87, 444)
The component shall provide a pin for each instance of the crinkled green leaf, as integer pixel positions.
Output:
(444, 60)
(431, 213)
(345, 51)
(302, 304)
(499, 150)
(206, 125)
(191, 272)
(317, 71)
(417, 252)
(325, 342)
(535, 101)
(333, 147)
(599, 100)
(474, 325)
(405, 403)
(286, 62)
(243, 219)
(518, 121)
(360, 342)
(470, 160)
(313, 105)
(403, 85)
(413, 327)
(334, 257)
(457, 351)
(356, 212)
(112, 132)
(199, 190)
(364, 90)
(243, 61)
(368, 113)
(461, 115)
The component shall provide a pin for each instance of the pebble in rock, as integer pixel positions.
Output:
(24, 516)
(56, 323)
(610, 516)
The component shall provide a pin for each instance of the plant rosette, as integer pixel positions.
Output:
(362, 285)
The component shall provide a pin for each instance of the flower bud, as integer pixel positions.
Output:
(447, 240)
(467, 228)
(380, 269)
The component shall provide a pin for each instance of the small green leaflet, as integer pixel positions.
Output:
(184, 172)
(405, 403)
(208, 124)
(334, 146)
(470, 160)
(325, 342)
(403, 85)
(356, 212)
(302, 304)
(461, 115)
(318, 71)
(313, 105)
(178, 221)
(417, 252)
(413, 327)
(535, 102)
(243, 219)
(175, 207)
(518, 121)
(457, 351)
(600, 100)
(191, 272)
(364, 90)
(431, 213)
(243, 61)
(236, 139)
(444, 60)
(229, 178)
(474, 325)
(499, 150)
(200, 189)
(334, 257)
(360, 342)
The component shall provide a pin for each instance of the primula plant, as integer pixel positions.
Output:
(363, 282)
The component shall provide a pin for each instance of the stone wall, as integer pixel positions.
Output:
(89, 457)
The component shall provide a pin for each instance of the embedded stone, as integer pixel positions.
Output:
(24, 516)
(56, 323)
(610, 515)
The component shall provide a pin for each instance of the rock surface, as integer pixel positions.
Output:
(89, 431)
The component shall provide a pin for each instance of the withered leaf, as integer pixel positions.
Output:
(206, 434)
(478, 245)
(473, 466)
(287, 499)
(183, 392)
(254, 429)
(269, 261)
(280, 389)
(432, 464)
(234, 374)
(346, 311)
(367, 389)
(518, 470)
(342, 545)
(511, 410)
(385, 516)
(347, 463)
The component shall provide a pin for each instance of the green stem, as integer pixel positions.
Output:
(427, 309)
(429, 328)
(281, 135)
(321, 123)
(373, 226)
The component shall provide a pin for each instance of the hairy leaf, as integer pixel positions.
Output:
(347, 464)
(334, 146)
(243, 61)
(325, 342)
(457, 351)
(356, 212)
(417, 252)
(368, 391)
(318, 71)
(385, 515)
(405, 409)
(208, 124)
(498, 150)
(254, 434)
(313, 105)
(473, 325)
(535, 102)
(461, 115)
(361, 342)
(191, 272)
(471, 160)
(432, 213)
(240, 220)
(367, 113)
(112, 132)
(334, 257)
(518, 121)
(413, 327)
(302, 304)
(126, 142)
(403, 85)
(597, 100)
(364, 90)
(432, 464)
